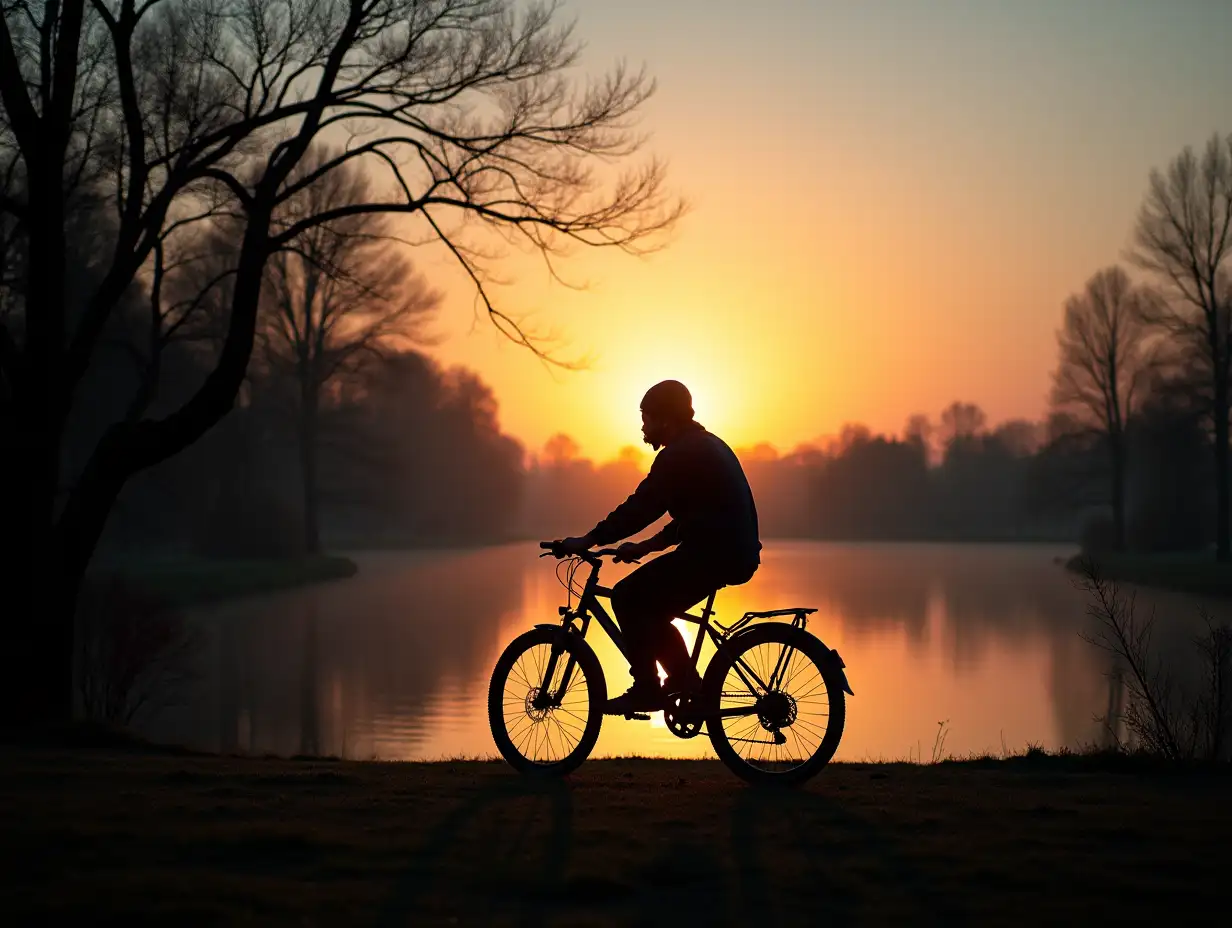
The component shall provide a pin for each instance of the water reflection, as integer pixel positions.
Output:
(395, 662)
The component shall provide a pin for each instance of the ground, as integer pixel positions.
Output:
(98, 834)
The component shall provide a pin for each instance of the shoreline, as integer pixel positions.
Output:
(191, 581)
(1192, 573)
(187, 581)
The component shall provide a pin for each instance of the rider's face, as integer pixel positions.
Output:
(652, 430)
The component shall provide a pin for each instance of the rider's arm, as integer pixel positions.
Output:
(646, 504)
(663, 539)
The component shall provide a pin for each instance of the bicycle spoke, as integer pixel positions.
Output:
(821, 685)
(573, 715)
(528, 734)
(547, 737)
(565, 735)
(538, 665)
(807, 751)
(521, 676)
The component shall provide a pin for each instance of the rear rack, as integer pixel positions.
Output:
(798, 619)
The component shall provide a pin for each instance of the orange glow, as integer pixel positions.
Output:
(888, 214)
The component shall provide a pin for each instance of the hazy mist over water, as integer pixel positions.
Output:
(394, 663)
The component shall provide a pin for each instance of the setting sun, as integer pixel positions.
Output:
(712, 397)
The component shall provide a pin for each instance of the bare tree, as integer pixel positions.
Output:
(1184, 237)
(1101, 372)
(337, 296)
(178, 114)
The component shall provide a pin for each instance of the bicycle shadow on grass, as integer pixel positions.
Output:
(671, 877)
(503, 855)
(804, 857)
(501, 852)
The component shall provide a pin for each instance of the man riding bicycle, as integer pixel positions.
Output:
(699, 482)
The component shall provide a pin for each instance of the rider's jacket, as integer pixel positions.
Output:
(698, 480)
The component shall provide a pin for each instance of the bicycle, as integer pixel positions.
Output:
(545, 712)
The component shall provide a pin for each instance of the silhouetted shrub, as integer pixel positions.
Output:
(1164, 713)
(133, 651)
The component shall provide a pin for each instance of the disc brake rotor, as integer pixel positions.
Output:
(536, 712)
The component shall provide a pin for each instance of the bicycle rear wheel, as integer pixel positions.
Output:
(776, 706)
(546, 724)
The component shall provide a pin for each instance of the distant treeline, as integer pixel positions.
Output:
(412, 454)
(957, 481)
(409, 454)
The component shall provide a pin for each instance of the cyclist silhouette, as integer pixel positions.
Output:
(698, 480)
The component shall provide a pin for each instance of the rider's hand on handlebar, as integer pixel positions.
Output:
(631, 552)
(567, 547)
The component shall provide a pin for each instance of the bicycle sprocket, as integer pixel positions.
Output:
(682, 715)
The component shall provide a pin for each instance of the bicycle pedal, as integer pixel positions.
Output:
(637, 717)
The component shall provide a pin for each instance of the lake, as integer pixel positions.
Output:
(980, 643)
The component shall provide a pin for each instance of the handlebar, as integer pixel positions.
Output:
(591, 557)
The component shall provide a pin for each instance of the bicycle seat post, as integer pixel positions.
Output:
(707, 612)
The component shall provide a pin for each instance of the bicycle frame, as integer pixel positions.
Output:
(589, 606)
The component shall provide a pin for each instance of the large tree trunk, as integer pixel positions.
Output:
(39, 591)
(38, 605)
(47, 553)
(40, 595)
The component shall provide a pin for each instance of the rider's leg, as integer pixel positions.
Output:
(645, 602)
(633, 603)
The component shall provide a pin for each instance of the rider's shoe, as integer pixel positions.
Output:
(687, 682)
(637, 698)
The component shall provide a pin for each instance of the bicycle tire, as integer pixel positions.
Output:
(812, 648)
(592, 671)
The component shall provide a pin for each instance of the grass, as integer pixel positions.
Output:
(192, 581)
(1186, 572)
(120, 833)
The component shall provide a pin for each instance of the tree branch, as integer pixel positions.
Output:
(506, 325)
(231, 183)
(22, 117)
(68, 43)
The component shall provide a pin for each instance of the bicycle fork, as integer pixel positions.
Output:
(545, 699)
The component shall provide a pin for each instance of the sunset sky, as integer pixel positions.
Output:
(891, 201)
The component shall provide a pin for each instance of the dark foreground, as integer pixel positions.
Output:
(104, 835)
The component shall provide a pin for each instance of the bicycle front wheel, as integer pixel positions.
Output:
(545, 701)
(776, 705)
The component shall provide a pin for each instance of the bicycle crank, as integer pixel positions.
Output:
(682, 716)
